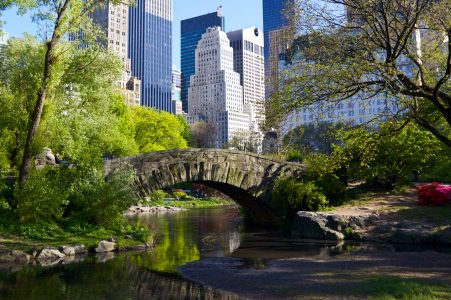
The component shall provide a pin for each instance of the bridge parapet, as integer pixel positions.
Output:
(246, 177)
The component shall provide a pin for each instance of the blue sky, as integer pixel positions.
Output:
(238, 14)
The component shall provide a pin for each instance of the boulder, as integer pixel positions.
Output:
(50, 253)
(411, 236)
(336, 222)
(68, 250)
(313, 226)
(105, 246)
(80, 249)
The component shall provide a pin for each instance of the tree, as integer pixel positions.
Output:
(243, 140)
(20, 68)
(390, 48)
(312, 137)
(67, 17)
(390, 155)
(155, 131)
(80, 119)
(203, 135)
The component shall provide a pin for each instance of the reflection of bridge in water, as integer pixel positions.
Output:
(247, 178)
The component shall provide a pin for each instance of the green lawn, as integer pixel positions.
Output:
(392, 287)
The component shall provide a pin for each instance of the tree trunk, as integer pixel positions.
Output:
(50, 60)
(26, 165)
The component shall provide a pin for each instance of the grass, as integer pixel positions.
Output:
(89, 239)
(440, 215)
(14, 235)
(392, 287)
(204, 203)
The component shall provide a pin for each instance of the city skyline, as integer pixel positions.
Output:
(239, 15)
(191, 32)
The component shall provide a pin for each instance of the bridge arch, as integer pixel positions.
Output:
(247, 178)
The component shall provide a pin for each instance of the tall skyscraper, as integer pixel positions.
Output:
(113, 19)
(191, 32)
(273, 22)
(273, 19)
(150, 51)
(249, 62)
(215, 93)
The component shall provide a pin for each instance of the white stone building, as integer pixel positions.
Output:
(358, 109)
(249, 62)
(215, 94)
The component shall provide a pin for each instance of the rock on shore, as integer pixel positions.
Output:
(139, 209)
(327, 226)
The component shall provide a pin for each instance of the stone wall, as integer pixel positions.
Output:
(245, 177)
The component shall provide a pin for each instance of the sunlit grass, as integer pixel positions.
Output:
(391, 287)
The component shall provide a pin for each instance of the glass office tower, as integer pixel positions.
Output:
(191, 33)
(273, 19)
(150, 50)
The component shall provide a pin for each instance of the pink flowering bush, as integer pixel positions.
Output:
(434, 194)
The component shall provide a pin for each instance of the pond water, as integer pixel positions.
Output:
(183, 237)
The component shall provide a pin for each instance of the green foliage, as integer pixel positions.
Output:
(98, 201)
(82, 196)
(322, 170)
(158, 195)
(388, 156)
(440, 170)
(139, 232)
(154, 131)
(186, 133)
(203, 203)
(291, 195)
(364, 56)
(179, 195)
(44, 196)
(312, 137)
(294, 155)
(20, 68)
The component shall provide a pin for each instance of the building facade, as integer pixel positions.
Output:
(359, 109)
(249, 62)
(3, 37)
(215, 93)
(176, 91)
(191, 32)
(150, 51)
(273, 19)
(113, 19)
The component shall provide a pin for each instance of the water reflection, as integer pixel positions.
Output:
(115, 279)
(183, 237)
(189, 236)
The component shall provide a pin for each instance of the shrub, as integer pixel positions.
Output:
(321, 169)
(434, 194)
(43, 198)
(101, 202)
(294, 155)
(179, 195)
(291, 195)
(331, 186)
(158, 195)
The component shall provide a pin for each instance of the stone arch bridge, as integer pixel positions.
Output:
(245, 177)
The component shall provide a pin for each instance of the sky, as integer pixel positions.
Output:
(238, 14)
